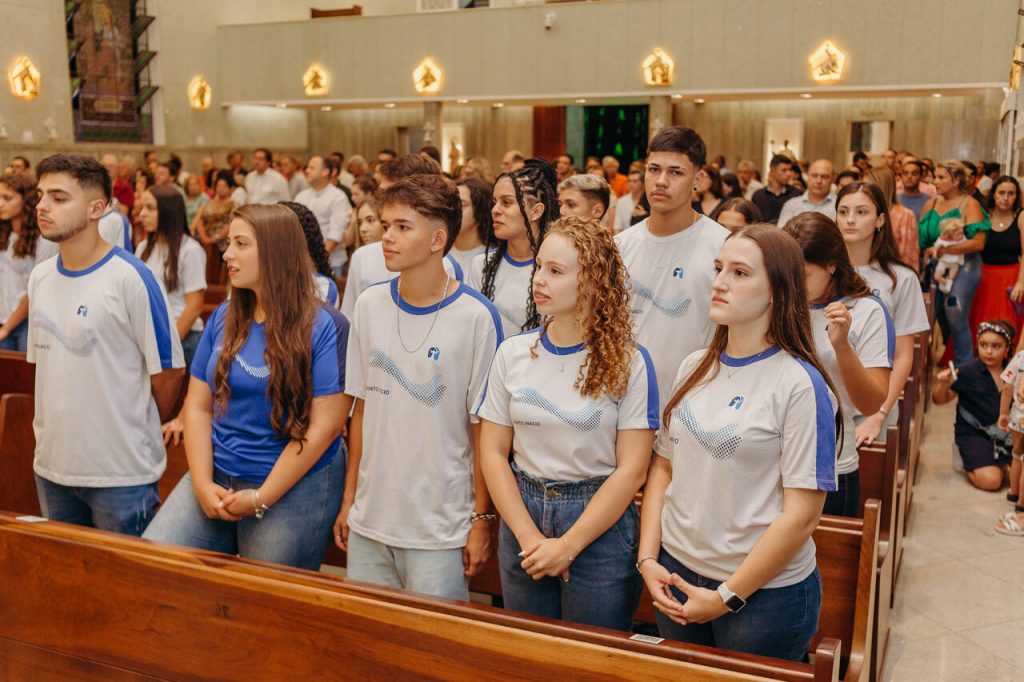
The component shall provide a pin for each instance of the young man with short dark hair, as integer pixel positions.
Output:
(416, 513)
(108, 361)
(670, 257)
(772, 197)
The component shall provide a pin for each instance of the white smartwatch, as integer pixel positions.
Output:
(732, 601)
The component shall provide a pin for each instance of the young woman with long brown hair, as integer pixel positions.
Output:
(576, 402)
(854, 337)
(21, 247)
(265, 407)
(176, 259)
(751, 429)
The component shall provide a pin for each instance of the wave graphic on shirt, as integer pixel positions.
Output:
(252, 370)
(585, 419)
(508, 315)
(430, 392)
(81, 345)
(720, 443)
(677, 306)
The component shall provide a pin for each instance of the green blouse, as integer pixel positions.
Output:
(928, 226)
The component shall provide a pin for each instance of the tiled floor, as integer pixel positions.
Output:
(959, 611)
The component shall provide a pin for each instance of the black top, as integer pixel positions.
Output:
(1003, 248)
(978, 394)
(771, 204)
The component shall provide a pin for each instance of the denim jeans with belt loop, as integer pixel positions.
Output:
(603, 587)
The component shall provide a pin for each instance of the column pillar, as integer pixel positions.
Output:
(431, 124)
(659, 114)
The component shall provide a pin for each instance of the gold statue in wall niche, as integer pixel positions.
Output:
(827, 63)
(24, 78)
(428, 77)
(658, 67)
(200, 94)
(316, 81)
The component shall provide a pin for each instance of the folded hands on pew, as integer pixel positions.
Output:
(702, 605)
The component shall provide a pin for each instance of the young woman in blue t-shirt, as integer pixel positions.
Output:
(265, 407)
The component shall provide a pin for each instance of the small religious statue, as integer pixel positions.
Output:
(454, 155)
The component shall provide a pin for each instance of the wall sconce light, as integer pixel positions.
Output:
(200, 94)
(658, 67)
(827, 63)
(24, 78)
(428, 77)
(317, 80)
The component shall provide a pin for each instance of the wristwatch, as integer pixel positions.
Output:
(732, 601)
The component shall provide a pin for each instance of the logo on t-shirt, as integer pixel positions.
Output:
(736, 402)
(434, 353)
(720, 443)
(876, 293)
(678, 273)
(676, 306)
(83, 310)
(429, 392)
(584, 419)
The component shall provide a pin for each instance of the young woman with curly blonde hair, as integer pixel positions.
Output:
(576, 403)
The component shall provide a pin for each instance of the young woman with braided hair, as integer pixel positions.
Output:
(525, 203)
(576, 402)
(326, 288)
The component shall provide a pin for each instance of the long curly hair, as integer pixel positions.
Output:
(790, 325)
(604, 298)
(23, 184)
(290, 304)
(314, 237)
(534, 184)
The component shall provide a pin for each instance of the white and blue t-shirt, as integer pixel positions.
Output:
(511, 289)
(763, 423)
(326, 289)
(671, 279)
(421, 376)
(904, 300)
(191, 274)
(14, 272)
(873, 339)
(367, 268)
(116, 229)
(245, 444)
(559, 434)
(96, 336)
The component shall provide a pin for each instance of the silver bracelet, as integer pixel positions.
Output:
(261, 509)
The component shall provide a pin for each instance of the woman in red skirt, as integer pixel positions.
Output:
(1001, 289)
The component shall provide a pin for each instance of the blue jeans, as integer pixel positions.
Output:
(17, 340)
(777, 622)
(437, 572)
(126, 509)
(956, 307)
(603, 587)
(189, 345)
(294, 532)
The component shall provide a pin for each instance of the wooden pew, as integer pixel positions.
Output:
(16, 374)
(17, 449)
(170, 612)
(878, 481)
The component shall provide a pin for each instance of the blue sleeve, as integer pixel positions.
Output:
(162, 327)
(204, 349)
(126, 224)
(330, 345)
(653, 408)
(332, 292)
(456, 268)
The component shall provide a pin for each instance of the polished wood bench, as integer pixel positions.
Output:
(105, 606)
(16, 374)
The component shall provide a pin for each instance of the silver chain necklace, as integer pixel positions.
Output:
(437, 313)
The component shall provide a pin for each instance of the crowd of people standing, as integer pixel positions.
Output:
(537, 346)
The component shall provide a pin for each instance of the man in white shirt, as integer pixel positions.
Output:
(290, 166)
(623, 209)
(746, 172)
(115, 228)
(331, 208)
(818, 197)
(108, 361)
(264, 185)
(670, 257)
